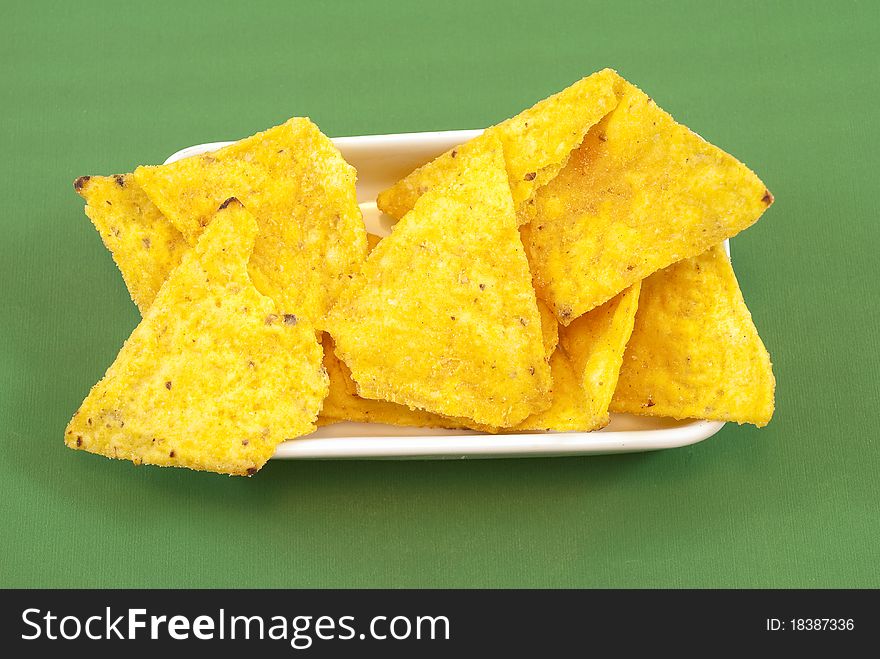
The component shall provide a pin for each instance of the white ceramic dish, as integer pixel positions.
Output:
(380, 161)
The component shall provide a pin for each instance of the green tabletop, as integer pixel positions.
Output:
(790, 88)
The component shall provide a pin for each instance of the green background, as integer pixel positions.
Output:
(791, 88)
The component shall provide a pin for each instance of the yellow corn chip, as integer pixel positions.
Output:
(571, 407)
(695, 352)
(640, 193)
(350, 386)
(549, 329)
(342, 404)
(584, 379)
(302, 194)
(595, 344)
(537, 143)
(443, 316)
(145, 245)
(344, 401)
(379, 411)
(213, 378)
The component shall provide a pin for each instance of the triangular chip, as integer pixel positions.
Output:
(695, 352)
(145, 245)
(443, 316)
(549, 329)
(537, 143)
(571, 408)
(343, 405)
(213, 378)
(641, 193)
(549, 333)
(350, 386)
(595, 344)
(302, 194)
(566, 410)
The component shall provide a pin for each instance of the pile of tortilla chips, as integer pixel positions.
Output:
(565, 264)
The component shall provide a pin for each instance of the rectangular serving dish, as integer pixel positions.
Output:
(381, 160)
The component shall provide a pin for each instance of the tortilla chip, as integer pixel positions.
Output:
(443, 316)
(537, 143)
(350, 386)
(695, 352)
(302, 194)
(549, 330)
(570, 409)
(213, 378)
(641, 193)
(145, 245)
(379, 411)
(342, 404)
(595, 344)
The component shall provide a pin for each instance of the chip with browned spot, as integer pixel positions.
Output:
(212, 378)
(570, 406)
(694, 351)
(302, 194)
(537, 143)
(595, 344)
(639, 194)
(144, 244)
